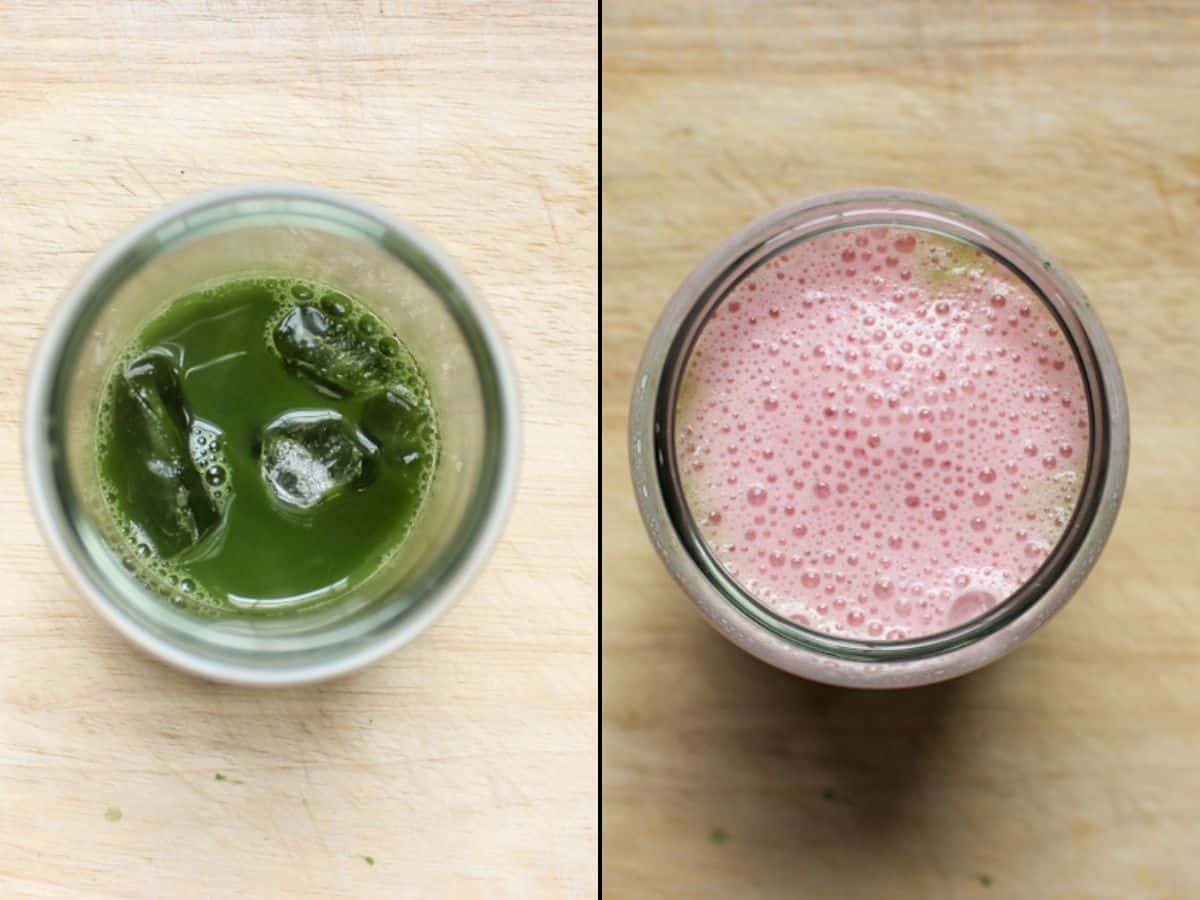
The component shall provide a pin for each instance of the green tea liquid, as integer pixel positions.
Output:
(264, 446)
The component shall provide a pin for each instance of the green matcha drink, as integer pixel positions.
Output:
(264, 444)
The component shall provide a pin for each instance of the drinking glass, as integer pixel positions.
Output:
(299, 232)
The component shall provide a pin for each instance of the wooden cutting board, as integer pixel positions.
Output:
(1071, 769)
(465, 764)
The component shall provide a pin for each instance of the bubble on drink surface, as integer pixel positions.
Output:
(209, 456)
(336, 305)
(968, 606)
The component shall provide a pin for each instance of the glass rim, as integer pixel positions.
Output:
(664, 507)
(376, 633)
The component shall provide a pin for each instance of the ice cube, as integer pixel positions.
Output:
(336, 355)
(394, 420)
(161, 484)
(311, 456)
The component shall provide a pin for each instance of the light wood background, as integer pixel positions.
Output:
(465, 764)
(1071, 769)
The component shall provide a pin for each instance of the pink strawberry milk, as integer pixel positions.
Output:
(881, 432)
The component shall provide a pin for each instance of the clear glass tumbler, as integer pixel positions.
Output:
(309, 233)
(784, 643)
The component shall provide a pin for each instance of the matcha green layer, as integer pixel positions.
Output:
(264, 446)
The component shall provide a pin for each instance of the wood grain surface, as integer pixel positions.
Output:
(1071, 769)
(465, 764)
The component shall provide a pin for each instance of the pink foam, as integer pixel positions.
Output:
(882, 433)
